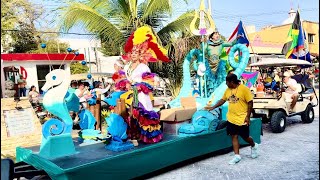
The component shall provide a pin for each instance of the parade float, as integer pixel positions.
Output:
(136, 144)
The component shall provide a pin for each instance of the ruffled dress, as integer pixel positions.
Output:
(143, 115)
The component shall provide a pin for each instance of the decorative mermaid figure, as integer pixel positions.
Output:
(142, 48)
(217, 58)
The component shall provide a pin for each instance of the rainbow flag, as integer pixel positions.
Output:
(296, 45)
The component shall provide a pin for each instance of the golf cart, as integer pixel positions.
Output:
(273, 105)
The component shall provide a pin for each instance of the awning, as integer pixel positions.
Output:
(279, 62)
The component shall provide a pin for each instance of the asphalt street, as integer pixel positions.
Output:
(293, 154)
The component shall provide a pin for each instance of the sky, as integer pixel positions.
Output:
(226, 14)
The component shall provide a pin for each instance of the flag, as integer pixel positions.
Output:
(243, 37)
(301, 51)
(296, 45)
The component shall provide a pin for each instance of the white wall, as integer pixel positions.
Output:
(106, 64)
(86, 47)
(30, 66)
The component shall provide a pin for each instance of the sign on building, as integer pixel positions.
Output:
(19, 122)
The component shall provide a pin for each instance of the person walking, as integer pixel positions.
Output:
(240, 107)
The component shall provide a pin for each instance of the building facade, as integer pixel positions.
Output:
(270, 40)
(34, 67)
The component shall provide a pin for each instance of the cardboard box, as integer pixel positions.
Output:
(188, 102)
(170, 127)
(182, 113)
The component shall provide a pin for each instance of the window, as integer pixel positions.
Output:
(42, 71)
(311, 38)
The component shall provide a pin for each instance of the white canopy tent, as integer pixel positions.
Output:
(280, 62)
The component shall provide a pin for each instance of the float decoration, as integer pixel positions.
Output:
(142, 48)
(202, 31)
(117, 127)
(204, 121)
(250, 78)
(56, 133)
(88, 134)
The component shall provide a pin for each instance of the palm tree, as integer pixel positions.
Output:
(173, 71)
(114, 20)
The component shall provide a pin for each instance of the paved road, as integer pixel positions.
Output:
(293, 154)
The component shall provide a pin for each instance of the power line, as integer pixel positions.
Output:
(261, 13)
(48, 32)
(268, 41)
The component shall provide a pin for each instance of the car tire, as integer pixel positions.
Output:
(308, 115)
(278, 122)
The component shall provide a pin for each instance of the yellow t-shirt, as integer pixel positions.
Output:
(268, 79)
(277, 78)
(238, 104)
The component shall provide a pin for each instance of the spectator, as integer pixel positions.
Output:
(33, 95)
(305, 80)
(292, 92)
(73, 87)
(22, 86)
(82, 93)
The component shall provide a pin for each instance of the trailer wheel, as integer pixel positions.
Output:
(278, 122)
(308, 115)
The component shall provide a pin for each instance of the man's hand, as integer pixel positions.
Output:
(220, 102)
(247, 121)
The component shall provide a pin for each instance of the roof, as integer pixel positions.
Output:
(41, 57)
(279, 62)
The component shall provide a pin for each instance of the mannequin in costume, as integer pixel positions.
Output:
(120, 84)
(217, 58)
(119, 76)
(142, 48)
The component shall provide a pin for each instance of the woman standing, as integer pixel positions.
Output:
(33, 95)
(142, 48)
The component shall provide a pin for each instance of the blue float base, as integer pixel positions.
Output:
(119, 146)
(95, 162)
(57, 146)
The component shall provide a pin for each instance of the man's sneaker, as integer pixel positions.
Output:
(254, 151)
(235, 159)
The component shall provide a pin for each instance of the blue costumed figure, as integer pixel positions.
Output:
(217, 60)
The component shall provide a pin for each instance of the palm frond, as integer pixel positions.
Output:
(181, 24)
(92, 20)
(133, 4)
(150, 7)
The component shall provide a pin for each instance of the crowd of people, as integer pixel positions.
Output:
(295, 81)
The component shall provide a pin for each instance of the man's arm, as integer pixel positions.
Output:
(219, 103)
(79, 93)
(247, 120)
(293, 86)
(250, 107)
(227, 44)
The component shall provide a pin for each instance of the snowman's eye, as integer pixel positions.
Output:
(54, 77)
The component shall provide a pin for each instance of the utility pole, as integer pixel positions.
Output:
(58, 46)
(96, 57)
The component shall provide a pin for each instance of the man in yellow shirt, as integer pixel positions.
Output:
(240, 107)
